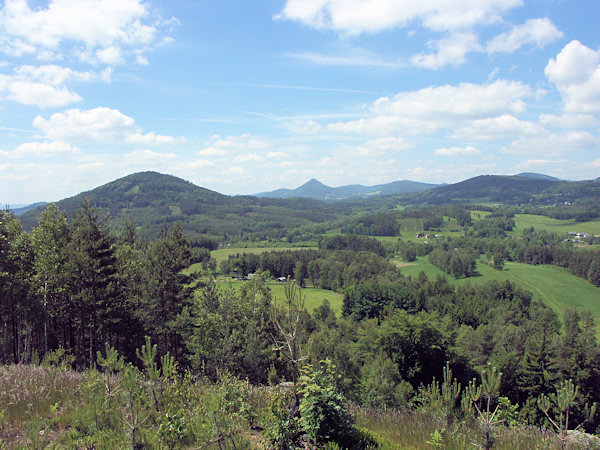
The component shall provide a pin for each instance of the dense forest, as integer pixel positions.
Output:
(83, 294)
(86, 288)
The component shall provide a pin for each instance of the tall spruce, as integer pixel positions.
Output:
(166, 293)
(95, 292)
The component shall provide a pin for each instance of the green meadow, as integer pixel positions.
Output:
(523, 221)
(313, 297)
(224, 253)
(558, 288)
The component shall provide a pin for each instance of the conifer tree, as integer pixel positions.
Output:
(166, 293)
(96, 296)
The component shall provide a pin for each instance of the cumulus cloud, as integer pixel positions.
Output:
(248, 157)
(427, 110)
(504, 126)
(277, 155)
(104, 125)
(457, 151)
(535, 32)
(43, 86)
(553, 143)
(41, 149)
(569, 120)
(104, 28)
(358, 16)
(576, 73)
(39, 94)
(148, 157)
(304, 127)
(451, 50)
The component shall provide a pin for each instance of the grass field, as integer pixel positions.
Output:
(313, 296)
(558, 288)
(523, 221)
(224, 253)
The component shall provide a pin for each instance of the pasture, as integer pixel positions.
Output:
(523, 221)
(224, 253)
(557, 287)
(313, 297)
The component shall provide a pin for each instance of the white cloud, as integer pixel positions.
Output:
(149, 139)
(44, 149)
(43, 86)
(357, 57)
(199, 164)
(52, 74)
(138, 157)
(39, 94)
(457, 151)
(101, 124)
(304, 127)
(505, 126)
(248, 157)
(378, 147)
(451, 50)
(111, 56)
(576, 73)
(212, 151)
(427, 110)
(465, 100)
(104, 28)
(569, 120)
(242, 142)
(553, 144)
(359, 16)
(536, 32)
(277, 155)
(235, 171)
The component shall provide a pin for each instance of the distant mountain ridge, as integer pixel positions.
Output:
(537, 176)
(514, 189)
(318, 191)
(20, 210)
(151, 199)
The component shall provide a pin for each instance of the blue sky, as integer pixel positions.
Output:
(243, 97)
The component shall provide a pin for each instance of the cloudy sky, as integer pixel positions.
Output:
(247, 96)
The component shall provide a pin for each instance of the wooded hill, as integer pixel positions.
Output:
(150, 199)
(316, 190)
(517, 189)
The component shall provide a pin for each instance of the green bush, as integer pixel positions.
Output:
(323, 413)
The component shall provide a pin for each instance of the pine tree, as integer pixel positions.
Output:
(95, 290)
(166, 293)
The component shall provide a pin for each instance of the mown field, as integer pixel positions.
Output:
(558, 288)
(523, 221)
(313, 296)
(224, 253)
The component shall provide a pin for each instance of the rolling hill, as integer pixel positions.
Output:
(517, 189)
(316, 190)
(150, 199)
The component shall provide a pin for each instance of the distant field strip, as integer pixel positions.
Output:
(523, 221)
(313, 296)
(558, 288)
(224, 253)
